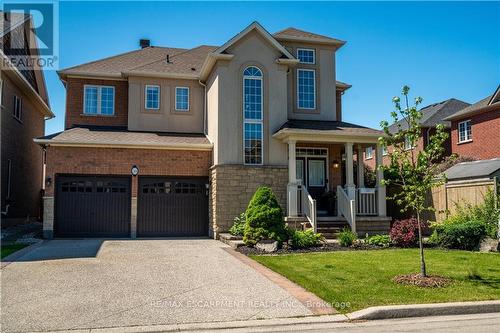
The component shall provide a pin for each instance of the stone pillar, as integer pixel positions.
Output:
(292, 181)
(381, 193)
(48, 217)
(349, 166)
(361, 168)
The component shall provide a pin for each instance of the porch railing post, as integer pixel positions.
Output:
(349, 166)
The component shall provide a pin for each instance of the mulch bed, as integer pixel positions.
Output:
(323, 248)
(415, 279)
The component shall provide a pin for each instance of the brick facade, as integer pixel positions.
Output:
(25, 156)
(74, 103)
(119, 161)
(232, 187)
(485, 142)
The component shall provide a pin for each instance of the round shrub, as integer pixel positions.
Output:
(264, 218)
(404, 233)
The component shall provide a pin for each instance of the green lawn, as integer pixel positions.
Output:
(363, 278)
(11, 248)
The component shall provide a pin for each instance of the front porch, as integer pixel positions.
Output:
(326, 180)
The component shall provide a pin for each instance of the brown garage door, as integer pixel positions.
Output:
(92, 206)
(169, 206)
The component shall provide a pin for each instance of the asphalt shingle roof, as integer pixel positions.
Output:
(475, 169)
(471, 109)
(331, 126)
(90, 135)
(297, 33)
(434, 114)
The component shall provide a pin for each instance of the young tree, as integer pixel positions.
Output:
(415, 173)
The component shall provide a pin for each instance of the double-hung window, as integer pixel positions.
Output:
(152, 100)
(99, 100)
(306, 56)
(306, 88)
(368, 153)
(17, 112)
(464, 131)
(181, 98)
(252, 115)
(385, 151)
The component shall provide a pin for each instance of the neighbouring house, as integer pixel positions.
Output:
(173, 142)
(25, 107)
(475, 130)
(432, 115)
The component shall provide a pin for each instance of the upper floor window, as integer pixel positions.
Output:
(252, 115)
(152, 97)
(17, 111)
(306, 89)
(99, 100)
(368, 152)
(182, 98)
(408, 144)
(306, 56)
(464, 131)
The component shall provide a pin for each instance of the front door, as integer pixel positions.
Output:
(316, 176)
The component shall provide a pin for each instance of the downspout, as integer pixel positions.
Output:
(7, 197)
(204, 107)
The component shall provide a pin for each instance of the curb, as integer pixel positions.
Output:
(425, 310)
(18, 254)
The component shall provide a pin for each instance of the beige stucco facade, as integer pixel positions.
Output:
(166, 118)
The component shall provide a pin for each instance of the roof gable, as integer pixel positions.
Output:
(255, 26)
(294, 34)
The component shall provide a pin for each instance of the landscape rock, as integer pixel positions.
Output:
(267, 246)
(489, 245)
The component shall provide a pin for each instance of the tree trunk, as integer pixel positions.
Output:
(423, 270)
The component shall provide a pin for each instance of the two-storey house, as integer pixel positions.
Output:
(475, 129)
(25, 107)
(174, 142)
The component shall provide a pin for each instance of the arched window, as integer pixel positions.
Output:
(252, 115)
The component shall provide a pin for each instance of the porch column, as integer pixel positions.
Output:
(361, 168)
(381, 200)
(292, 181)
(350, 187)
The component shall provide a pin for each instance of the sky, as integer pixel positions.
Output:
(440, 49)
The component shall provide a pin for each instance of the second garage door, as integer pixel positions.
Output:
(172, 206)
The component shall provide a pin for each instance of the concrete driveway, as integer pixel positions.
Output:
(72, 284)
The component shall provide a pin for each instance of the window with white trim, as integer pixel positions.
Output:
(385, 152)
(152, 97)
(17, 111)
(408, 145)
(306, 88)
(99, 100)
(182, 98)
(252, 115)
(464, 131)
(368, 153)
(306, 56)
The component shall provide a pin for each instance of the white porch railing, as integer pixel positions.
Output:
(366, 201)
(306, 206)
(346, 207)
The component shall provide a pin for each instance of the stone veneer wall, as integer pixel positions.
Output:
(232, 187)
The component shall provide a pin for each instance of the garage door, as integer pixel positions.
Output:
(92, 206)
(169, 206)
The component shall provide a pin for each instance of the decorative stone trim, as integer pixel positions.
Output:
(48, 217)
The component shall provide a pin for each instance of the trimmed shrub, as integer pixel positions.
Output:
(238, 228)
(379, 240)
(305, 239)
(464, 235)
(347, 237)
(404, 233)
(264, 218)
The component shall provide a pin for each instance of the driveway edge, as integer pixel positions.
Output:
(312, 302)
(18, 254)
(425, 310)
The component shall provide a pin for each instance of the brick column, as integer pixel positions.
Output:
(133, 207)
